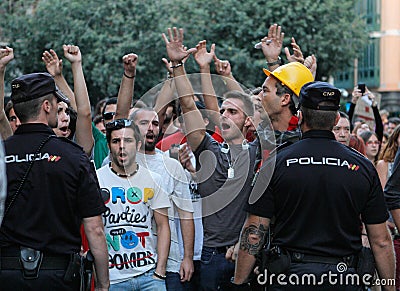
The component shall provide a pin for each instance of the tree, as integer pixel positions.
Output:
(105, 31)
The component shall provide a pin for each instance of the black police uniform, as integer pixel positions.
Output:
(60, 189)
(317, 194)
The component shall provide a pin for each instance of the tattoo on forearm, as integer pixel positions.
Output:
(253, 238)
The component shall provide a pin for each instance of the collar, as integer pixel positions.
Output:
(33, 128)
(293, 123)
(318, 134)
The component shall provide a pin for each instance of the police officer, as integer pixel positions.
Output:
(318, 192)
(52, 189)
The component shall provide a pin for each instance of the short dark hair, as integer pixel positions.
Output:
(254, 91)
(319, 119)
(395, 120)
(281, 90)
(73, 117)
(248, 106)
(97, 119)
(30, 109)
(344, 115)
(112, 100)
(136, 132)
(8, 108)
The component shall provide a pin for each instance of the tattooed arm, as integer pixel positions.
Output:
(252, 239)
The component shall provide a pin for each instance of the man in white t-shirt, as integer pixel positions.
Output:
(179, 266)
(133, 197)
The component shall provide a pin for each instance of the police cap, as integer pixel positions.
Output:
(314, 93)
(33, 86)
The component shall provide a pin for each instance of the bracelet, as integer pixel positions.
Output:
(129, 77)
(364, 234)
(277, 62)
(160, 276)
(170, 76)
(177, 66)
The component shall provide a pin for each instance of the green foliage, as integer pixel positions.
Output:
(106, 30)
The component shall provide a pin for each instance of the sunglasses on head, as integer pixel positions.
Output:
(108, 115)
(118, 124)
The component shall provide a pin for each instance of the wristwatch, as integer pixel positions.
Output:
(277, 62)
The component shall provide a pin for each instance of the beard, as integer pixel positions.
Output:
(149, 147)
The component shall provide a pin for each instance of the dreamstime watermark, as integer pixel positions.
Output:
(341, 277)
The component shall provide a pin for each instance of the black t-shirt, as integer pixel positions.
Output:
(223, 198)
(318, 192)
(392, 187)
(59, 191)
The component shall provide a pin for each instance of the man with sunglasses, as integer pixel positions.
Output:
(52, 190)
(100, 143)
(133, 197)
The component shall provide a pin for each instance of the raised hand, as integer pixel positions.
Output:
(311, 63)
(168, 63)
(297, 55)
(272, 43)
(72, 53)
(130, 62)
(175, 50)
(201, 56)
(53, 63)
(6, 55)
(223, 67)
(355, 95)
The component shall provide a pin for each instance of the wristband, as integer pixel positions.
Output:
(277, 62)
(177, 65)
(160, 276)
(129, 77)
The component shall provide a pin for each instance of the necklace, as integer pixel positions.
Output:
(124, 175)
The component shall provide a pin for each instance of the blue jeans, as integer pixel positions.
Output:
(174, 283)
(144, 282)
(215, 271)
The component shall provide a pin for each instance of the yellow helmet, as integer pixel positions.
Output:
(293, 75)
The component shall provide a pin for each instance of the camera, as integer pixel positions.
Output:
(361, 86)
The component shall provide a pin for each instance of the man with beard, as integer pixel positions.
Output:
(179, 271)
(226, 169)
(132, 199)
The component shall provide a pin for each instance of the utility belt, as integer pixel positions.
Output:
(350, 261)
(31, 261)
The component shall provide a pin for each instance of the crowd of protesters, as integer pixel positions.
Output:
(175, 169)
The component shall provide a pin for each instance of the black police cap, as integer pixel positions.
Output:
(33, 86)
(313, 93)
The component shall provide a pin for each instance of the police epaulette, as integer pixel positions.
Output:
(70, 142)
